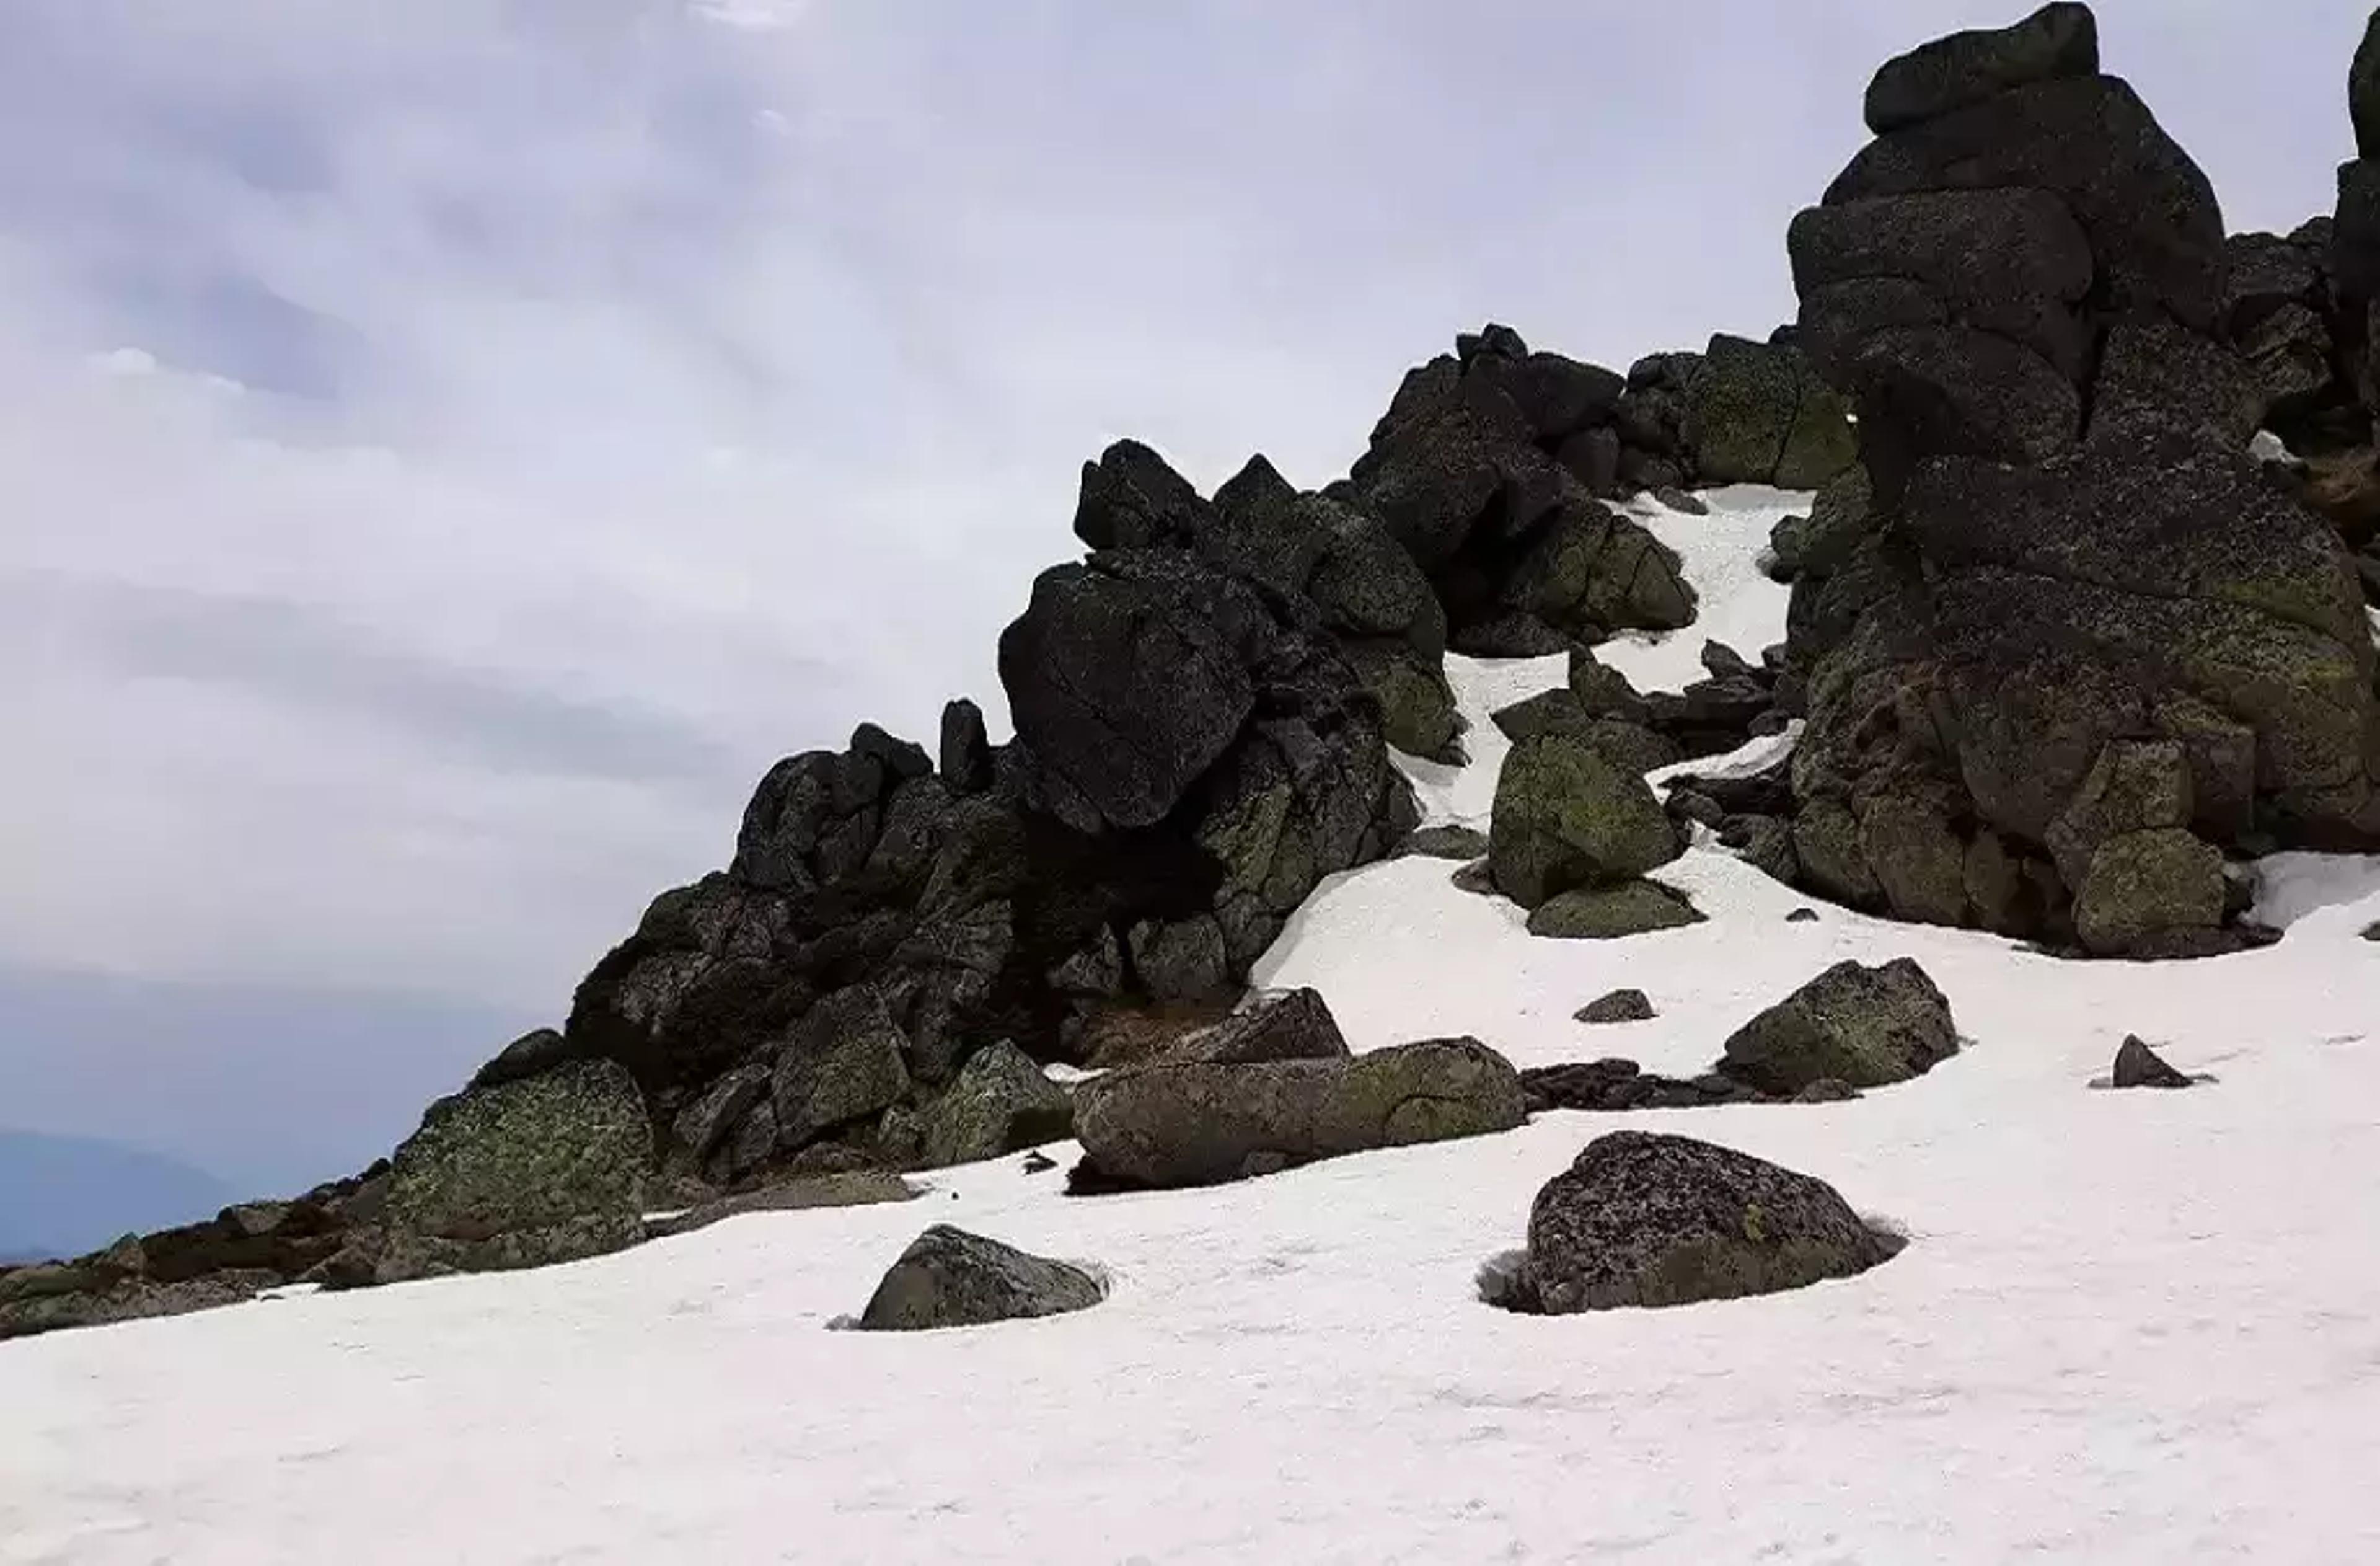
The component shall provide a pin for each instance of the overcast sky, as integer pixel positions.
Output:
(448, 450)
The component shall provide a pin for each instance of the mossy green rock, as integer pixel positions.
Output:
(1567, 815)
(525, 1173)
(1001, 1102)
(2146, 885)
(1757, 413)
(1867, 1027)
(1613, 913)
(1201, 1124)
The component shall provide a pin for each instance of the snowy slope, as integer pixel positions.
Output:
(2132, 1327)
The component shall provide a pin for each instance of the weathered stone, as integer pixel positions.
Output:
(1000, 1103)
(714, 1115)
(1620, 1005)
(525, 1057)
(1869, 1026)
(844, 1062)
(545, 1170)
(2059, 39)
(965, 751)
(2137, 1065)
(1917, 860)
(2148, 885)
(1293, 1024)
(1458, 842)
(1613, 913)
(1198, 1124)
(1567, 815)
(1642, 1220)
(950, 1278)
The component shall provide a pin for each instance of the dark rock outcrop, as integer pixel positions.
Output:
(2062, 552)
(950, 1278)
(1643, 1219)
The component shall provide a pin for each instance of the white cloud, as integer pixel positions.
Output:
(548, 358)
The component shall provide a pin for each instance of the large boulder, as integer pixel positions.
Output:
(950, 1278)
(546, 1169)
(1867, 1027)
(1202, 1124)
(1642, 1220)
(1568, 816)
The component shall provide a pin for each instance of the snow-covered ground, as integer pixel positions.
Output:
(2132, 1327)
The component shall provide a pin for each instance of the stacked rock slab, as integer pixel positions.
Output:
(2065, 561)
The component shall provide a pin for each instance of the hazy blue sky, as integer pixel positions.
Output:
(448, 450)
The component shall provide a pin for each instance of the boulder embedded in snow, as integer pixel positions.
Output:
(1620, 1005)
(1613, 913)
(1566, 816)
(1644, 1219)
(1201, 1124)
(950, 1278)
(2137, 1065)
(1867, 1027)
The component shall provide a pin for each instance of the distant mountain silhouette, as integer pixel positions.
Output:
(64, 1196)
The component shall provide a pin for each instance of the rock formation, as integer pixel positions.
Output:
(2064, 639)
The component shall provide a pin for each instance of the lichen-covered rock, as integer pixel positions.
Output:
(1868, 1026)
(1642, 1220)
(546, 1169)
(1201, 1124)
(1001, 1102)
(1757, 413)
(1567, 815)
(844, 1062)
(1613, 913)
(2147, 887)
(950, 1278)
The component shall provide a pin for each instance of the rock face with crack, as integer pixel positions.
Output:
(950, 1278)
(2066, 640)
(1643, 1219)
